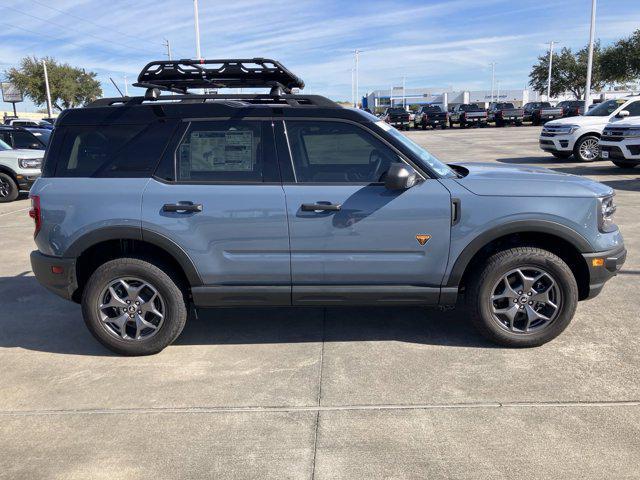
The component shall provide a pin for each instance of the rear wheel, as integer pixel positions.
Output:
(563, 155)
(133, 307)
(587, 149)
(523, 297)
(424, 125)
(8, 188)
(623, 164)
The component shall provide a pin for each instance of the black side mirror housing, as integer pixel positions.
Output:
(400, 177)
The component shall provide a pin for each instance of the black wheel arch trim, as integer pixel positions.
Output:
(519, 226)
(125, 232)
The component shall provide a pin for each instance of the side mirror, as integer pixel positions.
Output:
(623, 114)
(400, 177)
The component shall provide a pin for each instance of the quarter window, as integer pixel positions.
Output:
(337, 152)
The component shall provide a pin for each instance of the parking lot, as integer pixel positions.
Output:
(327, 393)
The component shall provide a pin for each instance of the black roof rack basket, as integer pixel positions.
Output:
(181, 75)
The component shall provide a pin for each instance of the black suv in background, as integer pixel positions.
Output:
(467, 114)
(431, 116)
(541, 112)
(505, 113)
(397, 117)
(571, 108)
(18, 137)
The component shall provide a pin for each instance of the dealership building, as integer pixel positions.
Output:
(447, 97)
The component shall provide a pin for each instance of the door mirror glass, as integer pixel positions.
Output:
(623, 114)
(400, 177)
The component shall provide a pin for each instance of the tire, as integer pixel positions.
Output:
(518, 124)
(499, 123)
(463, 124)
(623, 164)
(450, 124)
(443, 126)
(484, 285)
(584, 151)
(8, 188)
(563, 155)
(423, 125)
(172, 306)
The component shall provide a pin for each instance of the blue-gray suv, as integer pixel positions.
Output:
(150, 205)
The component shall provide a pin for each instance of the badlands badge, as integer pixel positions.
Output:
(422, 239)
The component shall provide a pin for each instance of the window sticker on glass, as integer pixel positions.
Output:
(221, 151)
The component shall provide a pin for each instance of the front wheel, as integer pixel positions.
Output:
(8, 188)
(443, 126)
(133, 307)
(522, 297)
(587, 149)
(623, 164)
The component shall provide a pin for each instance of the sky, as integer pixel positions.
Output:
(432, 43)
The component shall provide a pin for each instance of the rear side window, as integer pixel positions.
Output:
(226, 151)
(25, 140)
(112, 150)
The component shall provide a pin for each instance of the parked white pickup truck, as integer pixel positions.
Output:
(19, 169)
(579, 136)
(620, 143)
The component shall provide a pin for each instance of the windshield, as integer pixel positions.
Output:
(424, 156)
(4, 146)
(605, 108)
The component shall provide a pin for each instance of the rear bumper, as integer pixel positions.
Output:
(598, 276)
(63, 284)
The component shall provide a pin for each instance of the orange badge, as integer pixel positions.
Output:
(422, 239)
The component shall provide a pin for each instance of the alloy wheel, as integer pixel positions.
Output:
(5, 188)
(525, 300)
(131, 309)
(589, 149)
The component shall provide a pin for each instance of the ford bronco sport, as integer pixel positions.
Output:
(150, 205)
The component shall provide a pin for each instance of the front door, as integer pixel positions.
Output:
(352, 240)
(222, 202)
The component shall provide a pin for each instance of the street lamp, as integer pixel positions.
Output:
(587, 89)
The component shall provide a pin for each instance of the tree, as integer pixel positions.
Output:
(621, 61)
(70, 86)
(568, 72)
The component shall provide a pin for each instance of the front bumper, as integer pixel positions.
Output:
(25, 181)
(556, 143)
(63, 284)
(622, 150)
(599, 275)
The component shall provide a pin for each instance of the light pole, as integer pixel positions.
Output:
(549, 76)
(404, 95)
(587, 88)
(197, 26)
(126, 88)
(493, 78)
(168, 45)
(357, 62)
(46, 87)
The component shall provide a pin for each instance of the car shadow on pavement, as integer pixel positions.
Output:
(34, 319)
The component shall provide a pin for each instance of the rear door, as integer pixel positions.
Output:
(362, 237)
(218, 195)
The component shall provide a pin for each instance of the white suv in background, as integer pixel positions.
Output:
(579, 136)
(620, 143)
(19, 169)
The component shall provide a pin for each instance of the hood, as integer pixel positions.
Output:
(22, 153)
(521, 181)
(581, 120)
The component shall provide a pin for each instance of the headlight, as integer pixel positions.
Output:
(606, 212)
(566, 129)
(30, 162)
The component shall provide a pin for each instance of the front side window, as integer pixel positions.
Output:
(337, 152)
(605, 108)
(222, 151)
(633, 109)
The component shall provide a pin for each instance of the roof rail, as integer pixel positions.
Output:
(181, 75)
(247, 98)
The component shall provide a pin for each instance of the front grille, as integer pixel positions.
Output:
(546, 142)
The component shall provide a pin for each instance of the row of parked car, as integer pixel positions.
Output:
(466, 115)
(22, 146)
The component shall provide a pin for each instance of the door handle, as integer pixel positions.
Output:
(320, 206)
(182, 207)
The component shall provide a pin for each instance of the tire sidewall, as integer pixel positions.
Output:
(175, 309)
(568, 288)
(14, 192)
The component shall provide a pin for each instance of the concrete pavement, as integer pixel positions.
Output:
(326, 393)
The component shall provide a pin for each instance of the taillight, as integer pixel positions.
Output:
(36, 213)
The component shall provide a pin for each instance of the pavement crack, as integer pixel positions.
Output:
(319, 400)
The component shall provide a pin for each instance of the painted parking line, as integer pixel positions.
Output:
(15, 211)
